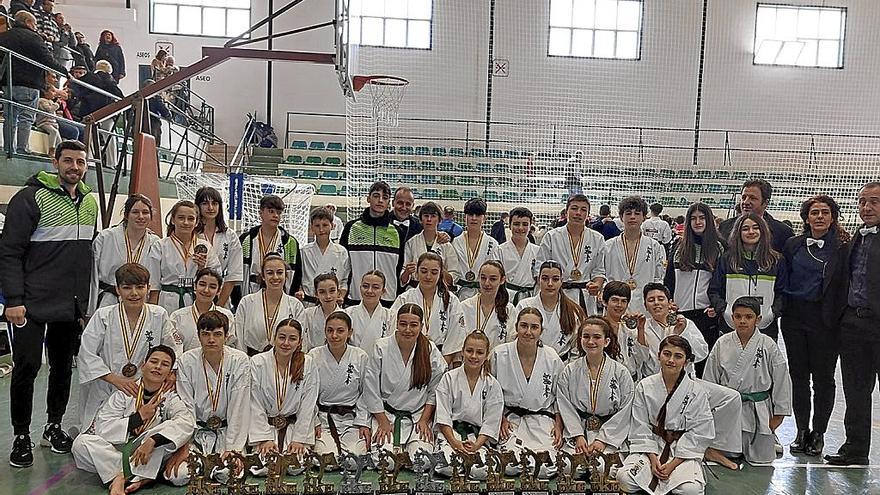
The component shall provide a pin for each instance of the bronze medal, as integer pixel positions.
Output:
(631, 322)
(214, 423)
(594, 423)
(470, 276)
(671, 319)
(129, 370)
(632, 284)
(279, 422)
(576, 274)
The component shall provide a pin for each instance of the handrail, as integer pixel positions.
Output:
(12, 23)
(245, 137)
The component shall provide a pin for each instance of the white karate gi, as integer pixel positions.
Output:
(250, 319)
(314, 262)
(111, 252)
(650, 266)
(387, 384)
(367, 328)
(519, 269)
(185, 323)
(481, 409)
(167, 268)
(497, 333)
(646, 357)
(417, 246)
(556, 245)
(100, 452)
(537, 393)
(657, 229)
(613, 401)
(227, 247)
(487, 250)
(551, 335)
(102, 351)
(299, 401)
(687, 411)
(445, 325)
(313, 327)
(760, 367)
(341, 384)
(626, 339)
(232, 404)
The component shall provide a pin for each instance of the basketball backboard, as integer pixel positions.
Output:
(343, 48)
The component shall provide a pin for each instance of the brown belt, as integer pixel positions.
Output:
(331, 425)
(281, 423)
(669, 437)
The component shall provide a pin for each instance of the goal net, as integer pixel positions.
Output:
(241, 197)
(676, 101)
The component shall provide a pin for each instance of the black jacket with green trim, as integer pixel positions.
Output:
(373, 244)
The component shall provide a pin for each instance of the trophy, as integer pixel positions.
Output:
(388, 484)
(199, 482)
(278, 464)
(351, 468)
(529, 484)
(313, 477)
(461, 465)
(239, 468)
(601, 481)
(424, 465)
(566, 482)
(496, 465)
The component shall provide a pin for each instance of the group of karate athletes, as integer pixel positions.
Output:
(572, 345)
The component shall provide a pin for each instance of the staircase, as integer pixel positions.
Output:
(264, 161)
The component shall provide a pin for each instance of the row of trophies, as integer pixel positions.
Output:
(577, 474)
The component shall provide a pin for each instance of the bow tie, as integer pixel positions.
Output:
(815, 242)
(868, 230)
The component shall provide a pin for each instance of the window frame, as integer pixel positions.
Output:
(174, 3)
(842, 40)
(641, 38)
(407, 20)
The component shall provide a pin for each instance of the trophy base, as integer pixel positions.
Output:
(503, 493)
(364, 490)
(533, 492)
(427, 492)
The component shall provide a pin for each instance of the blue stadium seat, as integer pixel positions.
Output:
(448, 180)
(295, 159)
(333, 160)
(300, 145)
(310, 174)
(429, 166)
(290, 172)
(476, 153)
(484, 168)
(467, 180)
(327, 190)
(511, 154)
(465, 167)
(495, 154)
(422, 150)
(502, 168)
(314, 160)
(331, 175)
(317, 145)
(406, 150)
(408, 165)
(342, 190)
(430, 193)
(447, 166)
(438, 151)
(388, 149)
(334, 146)
(492, 197)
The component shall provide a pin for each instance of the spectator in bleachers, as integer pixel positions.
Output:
(605, 225)
(18, 5)
(402, 213)
(157, 66)
(101, 78)
(66, 42)
(49, 123)
(573, 172)
(755, 198)
(338, 224)
(68, 130)
(75, 92)
(499, 228)
(110, 50)
(448, 224)
(82, 55)
(27, 79)
(46, 25)
(656, 227)
(157, 111)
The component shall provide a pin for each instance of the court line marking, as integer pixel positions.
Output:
(818, 466)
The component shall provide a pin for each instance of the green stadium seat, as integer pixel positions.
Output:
(476, 152)
(696, 188)
(388, 149)
(423, 150)
(485, 181)
(430, 193)
(511, 154)
(416, 192)
(391, 164)
(310, 174)
(447, 166)
(495, 154)
(704, 174)
(448, 180)
(725, 203)
(327, 190)
(317, 146)
(677, 187)
(667, 173)
(484, 168)
(331, 175)
(667, 200)
(456, 152)
(295, 159)
(510, 197)
(333, 160)
(405, 150)
(290, 172)
(451, 194)
(502, 168)
(504, 182)
(429, 179)
(722, 175)
(439, 151)
(342, 190)
(685, 173)
(467, 180)
(708, 201)
(334, 146)
(300, 145)
(716, 189)
(428, 166)
(740, 176)
(314, 160)
(408, 165)
(465, 167)
(492, 196)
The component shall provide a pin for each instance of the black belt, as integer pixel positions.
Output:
(341, 410)
(204, 425)
(521, 412)
(464, 429)
(574, 285)
(281, 423)
(586, 417)
(251, 352)
(310, 299)
(105, 288)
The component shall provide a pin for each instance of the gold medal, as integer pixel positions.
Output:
(671, 319)
(130, 341)
(471, 256)
(470, 276)
(594, 423)
(632, 284)
(576, 274)
(631, 261)
(214, 423)
(129, 370)
(576, 250)
(279, 422)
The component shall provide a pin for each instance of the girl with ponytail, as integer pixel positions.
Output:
(490, 311)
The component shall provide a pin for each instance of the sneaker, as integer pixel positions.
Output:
(22, 455)
(56, 438)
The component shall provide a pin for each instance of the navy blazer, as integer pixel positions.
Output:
(833, 299)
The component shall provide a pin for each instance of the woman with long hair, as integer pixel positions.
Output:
(490, 311)
(110, 50)
(369, 319)
(401, 380)
(692, 261)
(207, 287)
(750, 267)
(814, 262)
(284, 392)
(595, 392)
(444, 319)
(128, 242)
(560, 315)
(212, 227)
(175, 259)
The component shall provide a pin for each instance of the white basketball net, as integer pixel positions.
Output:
(386, 95)
(297, 199)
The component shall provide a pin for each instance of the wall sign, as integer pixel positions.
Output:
(501, 67)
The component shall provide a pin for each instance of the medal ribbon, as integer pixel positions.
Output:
(472, 253)
(129, 341)
(482, 328)
(265, 248)
(576, 248)
(630, 262)
(594, 385)
(281, 382)
(428, 309)
(183, 250)
(214, 393)
(140, 402)
(196, 314)
(140, 248)
(270, 321)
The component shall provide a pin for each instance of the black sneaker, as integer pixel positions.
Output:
(55, 437)
(22, 455)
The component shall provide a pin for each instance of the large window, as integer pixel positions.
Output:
(224, 18)
(394, 23)
(800, 36)
(596, 28)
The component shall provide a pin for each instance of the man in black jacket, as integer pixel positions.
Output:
(18, 5)
(754, 198)
(83, 54)
(45, 272)
(27, 79)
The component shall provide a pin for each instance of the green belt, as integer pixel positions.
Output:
(518, 291)
(399, 416)
(180, 291)
(755, 397)
(127, 450)
(463, 428)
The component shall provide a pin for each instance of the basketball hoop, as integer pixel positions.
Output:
(386, 93)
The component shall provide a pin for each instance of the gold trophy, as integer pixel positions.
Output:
(567, 482)
(352, 468)
(496, 465)
(529, 484)
(424, 465)
(461, 465)
(278, 465)
(388, 484)
(313, 477)
(200, 468)
(601, 481)
(239, 468)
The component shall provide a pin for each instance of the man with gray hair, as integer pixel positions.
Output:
(27, 79)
